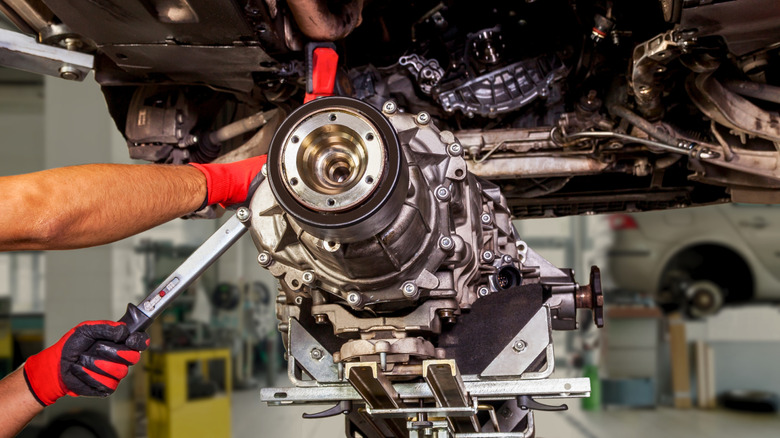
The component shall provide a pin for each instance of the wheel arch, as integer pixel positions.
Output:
(730, 267)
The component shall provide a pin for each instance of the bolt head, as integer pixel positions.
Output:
(423, 118)
(519, 346)
(446, 243)
(507, 259)
(506, 412)
(320, 319)
(243, 214)
(331, 248)
(455, 149)
(443, 194)
(72, 43)
(299, 300)
(70, 73)
(316, 353)
(264, 259)
(409, 289)
(483, 291)
(486, 219)
(488, 256)
(445, 313)
(389, 107)
(353, 298)
(308, 277)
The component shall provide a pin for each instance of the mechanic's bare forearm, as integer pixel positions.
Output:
(17, 404)
(94, 204)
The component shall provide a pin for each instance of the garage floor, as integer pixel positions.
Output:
(252, 419)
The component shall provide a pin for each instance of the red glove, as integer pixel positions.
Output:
(89, 360)
(229, 183)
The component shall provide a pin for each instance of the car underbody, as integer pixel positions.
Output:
(386, 211)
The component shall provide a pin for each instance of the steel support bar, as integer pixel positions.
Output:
(493, 435)
(25, 53)
(467, 411)
(484, 390)
(377, 391)
(447, 386)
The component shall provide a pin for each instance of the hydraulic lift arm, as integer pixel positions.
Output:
(25, 53)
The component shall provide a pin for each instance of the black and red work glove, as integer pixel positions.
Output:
(89, 360)
(230, 183)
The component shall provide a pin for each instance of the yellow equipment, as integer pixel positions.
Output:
(6, 348)
(6, 342)
(189, 393)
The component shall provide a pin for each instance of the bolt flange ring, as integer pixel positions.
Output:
(353, 186)
(333, 160)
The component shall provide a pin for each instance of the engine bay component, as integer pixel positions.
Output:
(391, 255)
(500, 68)
(732, 110)
(426, 72)
(745, 25)
(648, 68)
(171, 125)
(487, 46)
(159, 121)
(503, 90)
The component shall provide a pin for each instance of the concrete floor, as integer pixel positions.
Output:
(661, 422)
(252, 419)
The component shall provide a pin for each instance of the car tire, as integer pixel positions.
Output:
(702, 279)
(751, 401)
(703, 298)
(79, 424)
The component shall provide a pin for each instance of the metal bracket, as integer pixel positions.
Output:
(25, 53)
(427, 72)
(311, 355)
(524, 348)
(647, 71)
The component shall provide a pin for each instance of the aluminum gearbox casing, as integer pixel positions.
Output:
(418, 246)
(404, 288)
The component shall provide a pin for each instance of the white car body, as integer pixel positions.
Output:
(641, 255)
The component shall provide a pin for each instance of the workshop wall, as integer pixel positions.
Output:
(21, 121)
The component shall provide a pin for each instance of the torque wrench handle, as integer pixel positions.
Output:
(135, 320)
(140, 317)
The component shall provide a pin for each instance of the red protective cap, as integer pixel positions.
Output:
(324, 61)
